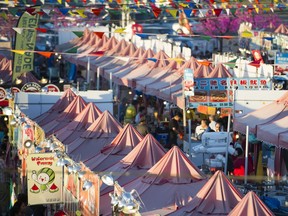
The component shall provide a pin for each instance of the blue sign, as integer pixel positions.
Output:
(281, 58)
(188, 82)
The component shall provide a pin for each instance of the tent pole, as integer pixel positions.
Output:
(98, 78)
(246, 153)
(228, 143)
(88, 70)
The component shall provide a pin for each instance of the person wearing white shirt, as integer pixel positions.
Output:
(212, 123)
(139, 114)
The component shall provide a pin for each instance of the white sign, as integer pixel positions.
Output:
(44, 179)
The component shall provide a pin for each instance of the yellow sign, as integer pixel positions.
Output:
(44, 179)
(24, 62)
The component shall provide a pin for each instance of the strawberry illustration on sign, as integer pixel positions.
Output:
(53, 188)
(35, 189)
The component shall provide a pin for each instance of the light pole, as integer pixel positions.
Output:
(121, 200)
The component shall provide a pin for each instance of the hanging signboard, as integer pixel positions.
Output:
(25, 41)
(218, 92)
(188, 82)
(90, 197)
(44, 179)
(71, 192)
(281, 63)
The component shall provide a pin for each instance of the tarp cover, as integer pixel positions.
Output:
(123, 143)
(78, 125)
(217, 197)
(251, 204)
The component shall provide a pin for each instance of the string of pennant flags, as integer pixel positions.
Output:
(71, 52)
(190, 9)
(122, 31)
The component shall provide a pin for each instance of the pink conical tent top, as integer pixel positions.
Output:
(162, 59)
(99, 134)
(217, 197)
(93, 39)
(78, 125)
(174, 168)
(123, 143)
(109, 45)
(74, 108)
(191, 63)
(150, 67)
(282, 29)
(95, 47)
(144, 58)
(251, 205)
(85, 38)
(203, 71)
(171, 183)
(118, 48)
(147, 153)
(138, 53)
(220, 71)
(129, 50)
(156, 77)
(57, 108)
(103, 127)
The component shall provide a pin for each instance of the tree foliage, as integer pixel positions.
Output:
(226, 24)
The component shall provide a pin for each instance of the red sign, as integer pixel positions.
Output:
(257, 56)
(52, 88)
(3, 94)
(137, 28)
(15, 90)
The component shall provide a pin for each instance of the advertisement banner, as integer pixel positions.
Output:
(218, 92)
(90, 198)
(25, 41)
(44, 179)
(188, 82)
(281, 63)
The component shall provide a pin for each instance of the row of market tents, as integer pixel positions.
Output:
(152, 73)
(269, 124)
(167, 182)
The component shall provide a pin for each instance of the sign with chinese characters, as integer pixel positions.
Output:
(281, 63)
(218, 92)
(44, 179)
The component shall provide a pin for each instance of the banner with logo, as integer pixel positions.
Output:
(44, 179)
(25, 40)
